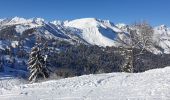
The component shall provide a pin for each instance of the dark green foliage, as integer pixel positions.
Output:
(148, 61)
(85, 59)
(1, 65)
(9, 33)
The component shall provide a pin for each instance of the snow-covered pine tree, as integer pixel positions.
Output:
(37, 64)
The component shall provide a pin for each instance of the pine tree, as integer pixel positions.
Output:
(1, 65)
(37, 64)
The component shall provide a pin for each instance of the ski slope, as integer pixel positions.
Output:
(150, 85)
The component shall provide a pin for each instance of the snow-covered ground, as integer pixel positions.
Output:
(150, 85)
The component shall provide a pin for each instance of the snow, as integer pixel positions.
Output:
(14, 44)
(162, 38)
(39, 21)
(32, 22)
(86, 30)
(3, 44)
(123, 27)
(95, 31)
(150, 85)
(22, 28)
(120, 25)
(1, 20)
(57, 22)
(18, 19)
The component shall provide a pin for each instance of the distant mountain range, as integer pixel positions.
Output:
(88, 31)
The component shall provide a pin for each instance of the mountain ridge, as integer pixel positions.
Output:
(85, 30)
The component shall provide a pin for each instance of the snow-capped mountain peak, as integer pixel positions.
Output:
(87, 30)
(57, 22)
(1, 20)
(162, 29)
(84, 22)
(18, 20)
(39, 21)
(163, 26)
(22, 21)
(162, 37)
(121, 25)
(96, 31)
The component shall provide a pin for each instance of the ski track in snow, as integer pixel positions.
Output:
(150, 85)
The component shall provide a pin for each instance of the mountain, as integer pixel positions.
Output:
(19, 35)
(88, 31)
(95, 31)
(162, 38)
(80, 47)
(27, 30)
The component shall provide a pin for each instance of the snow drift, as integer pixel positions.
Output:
(150, 85)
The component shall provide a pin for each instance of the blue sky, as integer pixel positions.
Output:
(155, 12)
